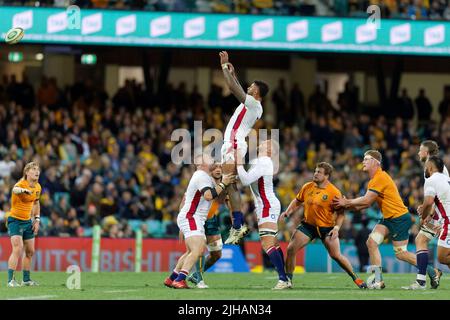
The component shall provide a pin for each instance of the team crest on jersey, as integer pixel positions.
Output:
(325, 197)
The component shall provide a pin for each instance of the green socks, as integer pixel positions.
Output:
(10, 274)
(26, 275)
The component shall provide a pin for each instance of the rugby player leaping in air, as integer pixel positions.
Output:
(240, 125)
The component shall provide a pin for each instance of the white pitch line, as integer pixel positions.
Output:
(120, 291)
(34, 297)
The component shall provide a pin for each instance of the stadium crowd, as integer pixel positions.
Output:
(107, 160)
(396, 9)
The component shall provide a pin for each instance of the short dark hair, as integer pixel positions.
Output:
(263, 87)
(432, 147)
(374, 154)
(437, 162)
(327, 168)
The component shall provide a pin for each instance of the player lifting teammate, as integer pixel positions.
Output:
(267, 206)
(240, 125)
(191, 219)
(212, 233)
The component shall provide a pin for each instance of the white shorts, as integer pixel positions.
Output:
(193, 226)
(444, 237)
(271, 216)
(430, 231)
(228, 148)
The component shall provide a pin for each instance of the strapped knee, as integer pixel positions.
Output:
(377, 237)
(215, 245)
(267, 233)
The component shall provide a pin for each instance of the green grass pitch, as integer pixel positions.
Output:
(248, 286)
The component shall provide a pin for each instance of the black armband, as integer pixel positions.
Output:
(213, 191)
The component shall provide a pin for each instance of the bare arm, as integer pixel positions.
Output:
(427, 207)
(36, 213)
(19, 190)
(340, 218)
(358, 203)
(334, 233)
(36, 210)
(230, 77)
(293, 206)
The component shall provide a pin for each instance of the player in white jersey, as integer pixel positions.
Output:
(191, 219)
(260, 179)
(437, 191)
(239, 127)
(428, 231)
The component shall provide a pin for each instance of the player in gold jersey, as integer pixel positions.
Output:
(396, 220)
(23, 223)
(320, 220)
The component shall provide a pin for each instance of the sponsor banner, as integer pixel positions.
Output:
(232, 260)
(195, 30)
(56, 254)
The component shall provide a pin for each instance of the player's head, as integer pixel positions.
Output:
(258, 89)
(268, 147)
(428, 148)
(216, 170)
(433, 164)
(31, 171)
(372, 160)
(322, 172)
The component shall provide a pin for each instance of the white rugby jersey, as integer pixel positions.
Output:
(438, 186)
(436, 215)
(260, 179)
(243, 120)
(195, 203)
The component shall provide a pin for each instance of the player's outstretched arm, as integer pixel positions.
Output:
(230, 78)
(19, 190)
(248, 177)
(357, 204)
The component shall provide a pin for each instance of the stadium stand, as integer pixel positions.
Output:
(106, 160)
(396, 9)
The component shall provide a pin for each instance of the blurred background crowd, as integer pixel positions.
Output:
(396, 9)
(107, 160)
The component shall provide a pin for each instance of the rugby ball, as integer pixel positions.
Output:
(14, 35)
